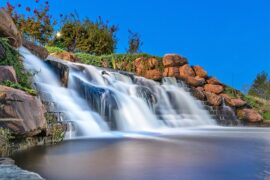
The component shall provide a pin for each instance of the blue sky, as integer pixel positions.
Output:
(229, 38)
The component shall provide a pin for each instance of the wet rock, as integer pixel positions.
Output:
(153, 74)
(171, 72)
(9, 170)
(9, 30)
(199, 71)
(195, 81)
(173, 60)
(213, 99)
(214, 81)
(68, 56)
(39, 51)
(198, 93)
(249, 115)
(22, 113)
(60, 69)
(7, 73)
(186, 71)
(217, 89)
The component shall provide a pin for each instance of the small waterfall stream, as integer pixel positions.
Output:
(98, 100)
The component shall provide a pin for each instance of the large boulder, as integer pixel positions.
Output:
(217, 89)
(249, 115)
(233, 102)
(186, 71)
(173, 60)
(9, 30)
(140, 65)
(199, 71)
(214, 81)
(195, 81)
(7, 73)
(171, 72)
(152, 63)
(213, 99)
(153, 74)
(39, 51)
(22, 113)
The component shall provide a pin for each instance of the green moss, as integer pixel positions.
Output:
(11, 58)
(53, 49)
(19, 86)
(233, 93)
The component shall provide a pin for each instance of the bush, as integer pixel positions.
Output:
(95, 38)
(11, 58)
(134, 42)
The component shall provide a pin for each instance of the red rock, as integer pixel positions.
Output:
(153, 74)
(200, 88)
(249, 115)
(213, 99)
(68, 56)
(171, 72)
(7, 73)
(24, 113)
(152, 63)
(173, 60)
(217, 89)
(186, 71)
(195, 81)
(213, 81)
(9, 30)
(199, 71)
(233, 102)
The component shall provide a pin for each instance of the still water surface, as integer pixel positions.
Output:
(219, 153)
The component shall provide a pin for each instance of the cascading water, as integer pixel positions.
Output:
(97, 99)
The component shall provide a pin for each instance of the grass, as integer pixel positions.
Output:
(52, 49)
(20, 87)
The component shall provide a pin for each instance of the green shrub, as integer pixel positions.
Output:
(18, 86)
(266, 115)
(11, 58)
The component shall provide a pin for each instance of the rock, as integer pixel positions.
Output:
(171, 72)
(2, 52)
(11, 171)
(173, 60)
(214, 81)
(22, 113)
(152, 63)
(2, 96)
(153, 74)
(200, 88)
(249, 115)
(186, 71)
(217, 89)
(195, 81)
(7, 73)
(140, 65)
(198, 93)
(60, 69)
(233, 102)
(39, 51)
(199, 71)
(213, 99)
(68, 56)
(9, 30)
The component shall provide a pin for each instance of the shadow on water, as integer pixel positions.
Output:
(238, 154)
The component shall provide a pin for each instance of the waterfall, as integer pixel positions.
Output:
(98, 100)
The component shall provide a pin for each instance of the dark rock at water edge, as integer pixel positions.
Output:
(39, 51)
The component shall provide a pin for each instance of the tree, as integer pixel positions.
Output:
(261, 86)
(134, 42)
(95, 38)
(35, 24)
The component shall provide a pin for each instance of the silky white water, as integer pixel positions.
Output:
(99, 99)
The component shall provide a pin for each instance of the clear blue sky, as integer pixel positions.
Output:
(229, 38)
